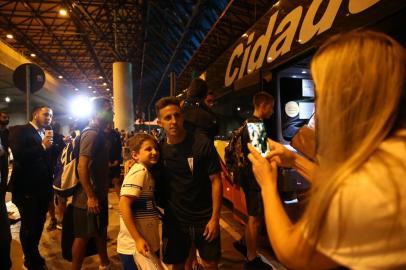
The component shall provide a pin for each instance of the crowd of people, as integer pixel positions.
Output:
(355, 215)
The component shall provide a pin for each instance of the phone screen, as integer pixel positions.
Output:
(258, 137)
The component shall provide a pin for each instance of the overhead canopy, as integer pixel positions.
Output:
(158, 37)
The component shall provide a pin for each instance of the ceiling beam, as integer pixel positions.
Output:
(93, 25)
(55, 38)
(76, 20)
(205, 40)
(197, 10)
(26, 41)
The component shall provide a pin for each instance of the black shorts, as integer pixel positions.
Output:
(86, 225)
(252, 191)
(178, 239)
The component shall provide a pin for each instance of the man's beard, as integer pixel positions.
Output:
(4, 123)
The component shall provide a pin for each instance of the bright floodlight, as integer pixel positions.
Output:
(81, 107)
(63, 12)
(7, 99)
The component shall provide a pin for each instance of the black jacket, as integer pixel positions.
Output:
(32, 169)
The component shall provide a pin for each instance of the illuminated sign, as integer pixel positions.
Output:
(250, 54)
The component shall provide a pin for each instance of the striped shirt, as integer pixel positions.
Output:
(139, 183)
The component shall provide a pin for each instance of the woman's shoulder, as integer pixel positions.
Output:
(368, 208)
(387, 163)
(395, 145)
(373, 193)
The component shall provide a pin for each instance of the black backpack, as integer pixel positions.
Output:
(233, 154)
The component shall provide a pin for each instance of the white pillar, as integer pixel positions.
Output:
(123, 96)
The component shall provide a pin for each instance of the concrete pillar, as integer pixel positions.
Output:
(123, 96)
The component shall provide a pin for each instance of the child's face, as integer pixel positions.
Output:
(148, 154)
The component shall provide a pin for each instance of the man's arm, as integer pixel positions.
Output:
(22, 151)
(213, 227)
(83, 171)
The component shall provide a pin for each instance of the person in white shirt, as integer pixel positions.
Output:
(139, 218)
(356, 214)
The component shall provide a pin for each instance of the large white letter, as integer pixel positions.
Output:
(357, 6)
(261, 44)
(228, 79)
(309, 30)
(246, 55)
(290, 22)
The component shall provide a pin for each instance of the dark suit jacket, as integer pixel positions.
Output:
(4, 161)
(57, 147)
(32, 170)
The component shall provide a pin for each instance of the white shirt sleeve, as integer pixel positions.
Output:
(134, 181)
(363, 229)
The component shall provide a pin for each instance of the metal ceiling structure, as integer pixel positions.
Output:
(157, 37)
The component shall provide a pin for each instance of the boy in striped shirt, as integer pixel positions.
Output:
(139, 220)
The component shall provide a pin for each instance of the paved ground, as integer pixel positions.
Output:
(50, 244)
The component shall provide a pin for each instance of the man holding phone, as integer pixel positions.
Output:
(31, 180)
(263, 104)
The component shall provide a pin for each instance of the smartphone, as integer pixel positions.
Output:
(258, 137)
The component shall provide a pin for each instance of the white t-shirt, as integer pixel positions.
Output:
(139, 183)
(363, 212)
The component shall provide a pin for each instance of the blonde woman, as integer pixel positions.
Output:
(356, 215)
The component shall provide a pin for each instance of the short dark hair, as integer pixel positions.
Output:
(136, 141)
(37, 109)
(262, 97)
(197, 89)
(166, 101)
(98, 103)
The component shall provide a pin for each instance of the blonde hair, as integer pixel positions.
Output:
(360, 85)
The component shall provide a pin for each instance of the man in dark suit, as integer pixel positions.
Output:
(32, 181)
(4, 120)
(5, 234)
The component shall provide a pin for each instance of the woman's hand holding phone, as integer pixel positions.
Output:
(265, 170)
(280, 154)
(258, 137)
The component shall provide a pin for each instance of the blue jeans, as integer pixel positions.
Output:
(128, 262)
